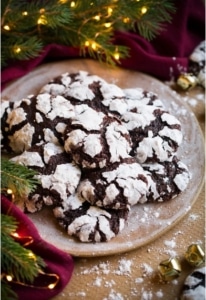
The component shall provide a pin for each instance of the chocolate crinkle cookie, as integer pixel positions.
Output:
(57, 174)
(194, 285)
(95, 139)
(82, 87)
(166, 179)
(89, 223)
(35, 119)
(75, 85)
(197, 63)
(120, 104)
(155, 133)
(117, 186)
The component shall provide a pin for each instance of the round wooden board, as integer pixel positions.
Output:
(146, 222)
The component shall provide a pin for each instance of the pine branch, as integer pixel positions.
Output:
(25, 48)
(152, 22)
(27, 26)
(18, 178)
(7, 292)
(8, 224)
(17, 261)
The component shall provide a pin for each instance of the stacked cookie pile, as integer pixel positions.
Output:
(98, 149)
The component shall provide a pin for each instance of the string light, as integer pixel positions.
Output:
(126, 20)
(143, 10)
(109, 11)
(97, 17)
(15, 234)
(42, 20)
(42, 11)
(54, 279)
(31, 255)
(73, 4)
(87, 43)
(107, 25)
(116, 55)
(17, 50)
(7, 27)
(24, 13)
(23, 240)
(9, 278)
(9, 191)
(51, 286)
(94, 46)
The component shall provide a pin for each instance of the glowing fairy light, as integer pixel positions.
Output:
(9, 278)
(15, 234)
(42, 11)
(51, 286)
(87, 43)
(31, 255)
(94, 46)
(107, 25)
(24, 13)
(7, 27)
(72, 4)
(97, 17)
(109, 11)
(42, 20)
(116, 55)
(126, 20)
(17, 50)
(144, 10)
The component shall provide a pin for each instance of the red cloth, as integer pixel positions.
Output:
(164, 57)
(57, 261)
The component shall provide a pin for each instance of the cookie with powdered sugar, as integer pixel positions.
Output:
(6, 108)
(144, 96)
(57, 174)
(155, 133)
(96, 139)
(122, 104)
(83, 87)
(77, 85)
(35, 119)
(89, 223)
(117, 186)
(197, 63)
(166, 180)
(194, 285)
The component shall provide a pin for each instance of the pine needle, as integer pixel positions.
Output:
(18, 178)
(17, 261)
(27, 26)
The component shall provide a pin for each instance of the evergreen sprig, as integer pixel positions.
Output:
(20, 179)
(27, 26)
(16, 261)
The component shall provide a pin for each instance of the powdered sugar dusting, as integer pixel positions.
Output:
(114, 296)
(124, 267)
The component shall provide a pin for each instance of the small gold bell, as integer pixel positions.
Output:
(187, 81)
(170, 269)
(195, 255)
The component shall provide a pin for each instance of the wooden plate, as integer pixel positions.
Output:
(146, 221)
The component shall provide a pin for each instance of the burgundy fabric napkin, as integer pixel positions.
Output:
(165, 57)
(57, 261)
